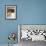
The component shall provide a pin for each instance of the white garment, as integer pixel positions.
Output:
(12, 16)
(37, 37)
(24, 33)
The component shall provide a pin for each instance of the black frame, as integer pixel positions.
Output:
(6, 12)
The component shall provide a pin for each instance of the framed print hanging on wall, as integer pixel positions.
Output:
(10, 12)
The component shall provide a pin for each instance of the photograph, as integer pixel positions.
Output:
(31, 33)
(10, 11)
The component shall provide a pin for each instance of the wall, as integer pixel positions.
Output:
(28, 12)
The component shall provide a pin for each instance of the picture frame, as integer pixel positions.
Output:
(10, 12)
(37, 29)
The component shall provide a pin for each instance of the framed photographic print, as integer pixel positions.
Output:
(33, 32)
(10, 12)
